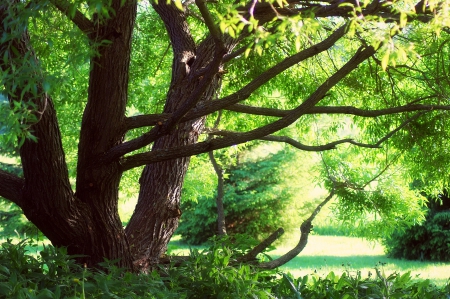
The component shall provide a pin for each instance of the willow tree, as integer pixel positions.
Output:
(218, 63)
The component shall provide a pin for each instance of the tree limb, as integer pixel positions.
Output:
(305, 229)
(11, 187)
(79, 19)
(209, 107)
(202, 147)
(215, 33)
(247, 90)
(251, 255)
(301, 146)
(317, 148)
(349, 110)
(139, 121)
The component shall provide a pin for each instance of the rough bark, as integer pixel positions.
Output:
(195, 79)
(87, 222)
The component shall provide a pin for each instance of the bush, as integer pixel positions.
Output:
(428, 241)
(254, 202)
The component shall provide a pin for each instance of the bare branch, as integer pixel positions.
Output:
(305, 229)
(202, 147)
(79, 19)
(11, 187)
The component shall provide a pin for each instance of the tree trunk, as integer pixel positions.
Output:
(221, 224)
(87, 222)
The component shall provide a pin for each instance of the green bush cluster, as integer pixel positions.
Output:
(254, 202)
(211, 273)
(427, 241)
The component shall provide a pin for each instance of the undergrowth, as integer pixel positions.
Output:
(210, 273)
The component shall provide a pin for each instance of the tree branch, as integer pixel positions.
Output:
(305, 229)
(301, 146)
(246, 91)
(202, 147)
(349, 110)
(317, 148)
(402, 125)
(11, 187)
(80, 20)
(215, 33)
(212, 106)
(147, 120)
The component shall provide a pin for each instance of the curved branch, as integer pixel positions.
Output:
(202, 147)
(301, 146)
(79, 19)
(317, 148)
(11, 187)
(305, 229)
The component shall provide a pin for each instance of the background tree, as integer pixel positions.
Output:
(93, 60)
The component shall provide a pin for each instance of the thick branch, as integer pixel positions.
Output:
(11, 187)
(83, 23)
(265, 11)
(202, 147)
(209, 107)
(146, 120)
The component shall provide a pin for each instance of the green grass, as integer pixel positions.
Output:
(324, 254)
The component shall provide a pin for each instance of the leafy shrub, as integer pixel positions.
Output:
(427, 241)
(254, 202)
